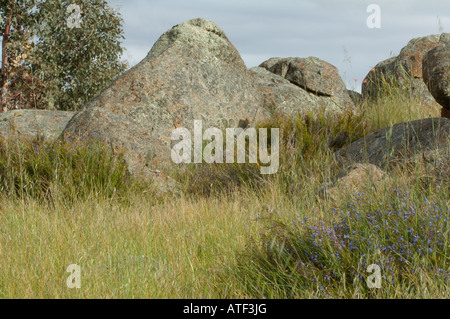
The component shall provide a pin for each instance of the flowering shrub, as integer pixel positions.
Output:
(405, 236)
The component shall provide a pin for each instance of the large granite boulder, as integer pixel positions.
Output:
(281, 96)
(436, 71)
(193, 72)
(296, 84)
(29, 124)
(425, 138)
(404, 70)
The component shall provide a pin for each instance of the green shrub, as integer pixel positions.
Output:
(55, 170)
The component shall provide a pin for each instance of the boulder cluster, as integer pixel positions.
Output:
(422, 68)
(193, 72)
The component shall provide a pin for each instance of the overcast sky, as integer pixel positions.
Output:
(335, 31)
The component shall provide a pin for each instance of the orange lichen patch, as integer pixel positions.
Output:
(118, 149)
(414, 53)
(157, 83)
(175, 108)
(177, 123)
(138, 159)
(166, 139)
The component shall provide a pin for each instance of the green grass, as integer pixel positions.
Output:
(233, 234)
(46, 170)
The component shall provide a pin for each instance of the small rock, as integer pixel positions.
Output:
(352, 180)
(403, 141)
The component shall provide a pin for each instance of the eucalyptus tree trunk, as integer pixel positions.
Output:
(4, 78)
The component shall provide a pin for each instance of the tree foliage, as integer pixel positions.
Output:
(63, 66)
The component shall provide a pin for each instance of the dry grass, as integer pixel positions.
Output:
(206, 243)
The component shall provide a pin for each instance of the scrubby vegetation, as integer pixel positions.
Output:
(231, 233)
(49, 170)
